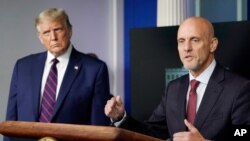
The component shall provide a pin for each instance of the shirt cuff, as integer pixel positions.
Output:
(117, 123)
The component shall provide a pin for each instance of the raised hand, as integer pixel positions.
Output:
(192, 135)
(114, 108)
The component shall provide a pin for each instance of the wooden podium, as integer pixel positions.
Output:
(69, 132)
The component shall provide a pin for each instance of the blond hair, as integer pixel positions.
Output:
(53, 14)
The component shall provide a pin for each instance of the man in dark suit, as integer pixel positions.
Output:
(220, 99)
(81, 85)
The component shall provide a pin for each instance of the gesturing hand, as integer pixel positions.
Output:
(114, 108)
(192, 135)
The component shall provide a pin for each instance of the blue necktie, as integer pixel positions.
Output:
(49, 94)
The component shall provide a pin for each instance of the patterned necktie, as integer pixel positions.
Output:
(191, 107)
(49, 94)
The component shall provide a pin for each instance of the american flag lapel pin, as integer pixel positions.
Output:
(76, 67)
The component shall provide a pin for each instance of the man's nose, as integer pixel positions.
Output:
(53, 36)
(187, 46)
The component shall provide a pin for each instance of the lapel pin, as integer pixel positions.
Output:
(76, 67)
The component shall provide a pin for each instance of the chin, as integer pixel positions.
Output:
(56, 53)
(190, 67)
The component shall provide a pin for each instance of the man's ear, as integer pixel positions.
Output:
(213, 44)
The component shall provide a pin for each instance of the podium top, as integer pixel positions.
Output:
(69, 132)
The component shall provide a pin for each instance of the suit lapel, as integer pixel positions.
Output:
(183, 87)
(72, 71)
(36, 76)
(210, 97)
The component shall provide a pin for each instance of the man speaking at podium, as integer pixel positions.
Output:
(200, 106)
(61, 85)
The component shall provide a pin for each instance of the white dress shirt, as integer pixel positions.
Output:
(203, 78)
(61, 68)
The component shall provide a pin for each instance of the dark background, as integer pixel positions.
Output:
(155, 49)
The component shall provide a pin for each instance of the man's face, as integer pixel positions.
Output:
(54, 35)
(195, 46)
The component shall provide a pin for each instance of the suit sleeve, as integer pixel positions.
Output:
(11, 113)
(12, 100)
(241, 106)
(101, 95)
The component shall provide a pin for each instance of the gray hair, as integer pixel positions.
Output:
(53, 14)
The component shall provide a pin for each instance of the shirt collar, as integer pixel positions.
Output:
(206, 74)
(62, 58)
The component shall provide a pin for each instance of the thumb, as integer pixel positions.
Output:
(118, 100)
(190, 126)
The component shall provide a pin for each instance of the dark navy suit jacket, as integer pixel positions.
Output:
(226, 102)
(82, 96)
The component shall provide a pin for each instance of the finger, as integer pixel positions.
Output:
(179, 136)
(190, 126)
(112, 102)
(107, 110)
(111, 112)
(113, 109)
(110, 106)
